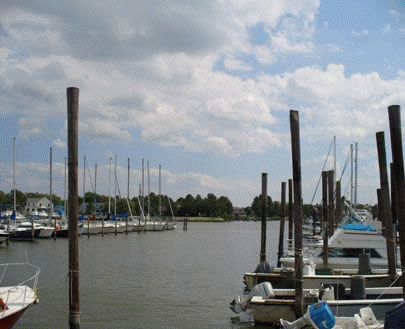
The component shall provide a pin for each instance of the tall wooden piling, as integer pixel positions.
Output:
(325, 226)
(290, 210)
(394, 114)
(338, 212)
(282, 224)
(50, 194)
(126, 220)
(296, 164)
(331, 199)
(394, 203)
(385, 201)
(264, 219)
(380, 210)
(73, 142)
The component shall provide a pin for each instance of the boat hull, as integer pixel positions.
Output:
(9, 321)
(24, 235)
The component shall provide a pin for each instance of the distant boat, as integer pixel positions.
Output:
(4, 236)
(23, 232)
(16, 298)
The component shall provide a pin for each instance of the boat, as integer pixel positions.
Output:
(4, 236)
(268, 305)
(15, 298)
(23, 232)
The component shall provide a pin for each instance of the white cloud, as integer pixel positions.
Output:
(387, 28)
(235, 64)
(332, 48)
(394, 13)
(59, 143)
(361, 33)
(264, 55)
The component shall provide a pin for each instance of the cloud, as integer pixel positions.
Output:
(361, 33)
(332, 48)
(59, 143)
(235, 64)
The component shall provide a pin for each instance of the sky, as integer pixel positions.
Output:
(202, 88)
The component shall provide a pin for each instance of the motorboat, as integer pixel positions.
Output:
(16, 297)
(24, 232)
(4, 236)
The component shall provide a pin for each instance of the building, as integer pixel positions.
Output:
(83, 207)
(239, 213)
(35, 204)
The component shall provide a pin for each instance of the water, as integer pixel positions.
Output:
(176, 279)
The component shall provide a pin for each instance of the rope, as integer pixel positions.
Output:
(393, 282)
(324, 164)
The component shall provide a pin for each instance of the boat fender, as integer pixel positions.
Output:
(3, 305)
(326, 292)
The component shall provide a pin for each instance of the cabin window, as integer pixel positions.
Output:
(351, 252)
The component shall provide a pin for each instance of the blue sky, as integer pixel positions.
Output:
(203, 89)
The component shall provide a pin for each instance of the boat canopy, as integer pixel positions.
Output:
(359, 227)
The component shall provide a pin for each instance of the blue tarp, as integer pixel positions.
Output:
(359, 227)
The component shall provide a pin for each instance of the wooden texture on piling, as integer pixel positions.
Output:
(325, 225)
(282, 224)
(264, 219)
(331, 199)
(296, 165)
(394, 203)
(394, 114)
(290, 210)
(338, 213)
(73, 142)
(385, 201)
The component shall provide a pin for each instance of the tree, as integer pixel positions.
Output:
(257, 205)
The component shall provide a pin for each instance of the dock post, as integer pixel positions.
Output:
(325, 233)
(264, 219)
(290, 211)
(126, 220)
(73, 142)
(338, 213)
(394, 114)
(331, 202)
(385, 201)
(296, 164)
(394, 203)
(282, 224)
(50, 194)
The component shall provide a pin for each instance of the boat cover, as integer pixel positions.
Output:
(359, 227)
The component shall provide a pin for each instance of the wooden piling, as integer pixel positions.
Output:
(325, 225)
(296, 164)
(73, 139)
(385, 201)
(282, 224)
(380, 210)
(394, 115)
(331, 199)
(394, 203)
(50, 194)
(290, 210)
(126, 220)
(338, 213)
(264, 219)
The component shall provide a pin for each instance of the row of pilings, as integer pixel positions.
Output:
(390, 211)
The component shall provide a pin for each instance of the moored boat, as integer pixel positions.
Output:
(17, 297)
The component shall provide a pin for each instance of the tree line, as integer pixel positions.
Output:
(209, 206)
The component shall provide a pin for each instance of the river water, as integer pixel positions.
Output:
(174, 279)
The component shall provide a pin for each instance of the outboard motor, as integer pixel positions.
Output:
(264, 267)
(319, 316)
(326, 292)
(240, 304)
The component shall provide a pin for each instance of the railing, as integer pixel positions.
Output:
(21, 287)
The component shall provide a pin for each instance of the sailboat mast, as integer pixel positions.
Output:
(64, 190)
(355, 175)
(148, 191)
(84, 184)
(109, 189)
(115, 196)
(160, 191)
(50, 186)
(14, 192)
(351, 175)
(143, 185)
(95, 189)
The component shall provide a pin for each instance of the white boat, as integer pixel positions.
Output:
(4, 236)
(154, 225)
(15, 298)
(344, 248)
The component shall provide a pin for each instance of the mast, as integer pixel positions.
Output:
(84, 184)
(115, 195)
(143, 186)
(355, 175)
(149, 196)
(50, 187)
(14, 193)
(160, 192)
(126, 221)
(95, 190)
(351, 175)
(64, 190)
